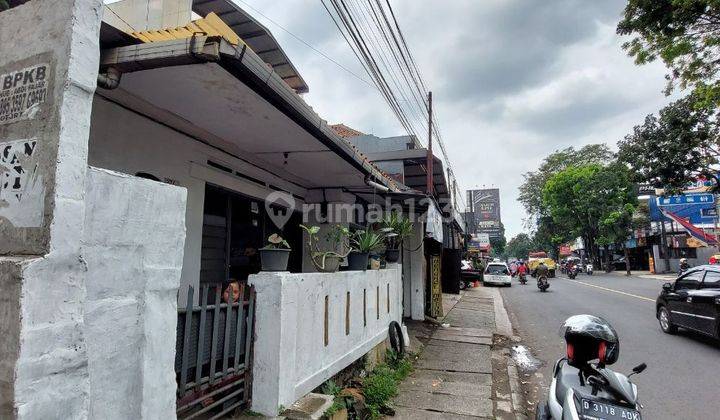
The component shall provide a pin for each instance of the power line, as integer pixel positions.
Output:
(308, 44)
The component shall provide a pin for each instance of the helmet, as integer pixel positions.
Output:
(682, 260)
(589, 337)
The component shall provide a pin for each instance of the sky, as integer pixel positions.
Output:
(512, 80)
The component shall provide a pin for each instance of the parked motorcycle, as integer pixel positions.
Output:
(542, 283)
(589, 269)
(583, 389)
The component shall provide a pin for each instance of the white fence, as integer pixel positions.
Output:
(310, 326)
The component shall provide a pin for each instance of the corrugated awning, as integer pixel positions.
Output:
(256, 36)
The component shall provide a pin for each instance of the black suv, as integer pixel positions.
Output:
(693, 302)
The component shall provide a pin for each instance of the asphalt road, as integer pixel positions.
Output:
(682, 380)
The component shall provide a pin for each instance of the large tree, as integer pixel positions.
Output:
(519, 246)
(685, 35)
(531, 189)
(592, 201)
(675, 148)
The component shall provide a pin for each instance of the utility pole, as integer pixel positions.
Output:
(429, 164)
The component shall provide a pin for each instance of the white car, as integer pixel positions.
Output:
(497, 273)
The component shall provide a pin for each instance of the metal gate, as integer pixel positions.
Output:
(213, 361)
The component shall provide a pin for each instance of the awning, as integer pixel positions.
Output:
(227, 97)
(256, 36)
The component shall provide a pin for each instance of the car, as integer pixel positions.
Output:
(497, 273)
(691, 302)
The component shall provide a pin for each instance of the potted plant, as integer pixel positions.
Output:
(396, 228)
(274, 256)
(363, 242)
(327, 261)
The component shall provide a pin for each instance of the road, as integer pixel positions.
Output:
(683, 374)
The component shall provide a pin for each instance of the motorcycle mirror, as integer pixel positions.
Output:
(667, 287)
(639, 368)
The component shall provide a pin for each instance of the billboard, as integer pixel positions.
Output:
(485, 208)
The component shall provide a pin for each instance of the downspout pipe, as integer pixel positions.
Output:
(110, 79)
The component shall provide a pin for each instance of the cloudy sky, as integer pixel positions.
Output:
(512, 80)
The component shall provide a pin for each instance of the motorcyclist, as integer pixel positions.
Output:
(521, 270)
(541, 270)
(684, 265)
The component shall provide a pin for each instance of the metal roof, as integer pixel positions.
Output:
(256, 36)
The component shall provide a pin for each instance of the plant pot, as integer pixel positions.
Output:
(392, 255)
(274, 259)
(358, 260)
(332, 263)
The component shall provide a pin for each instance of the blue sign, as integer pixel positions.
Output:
(675, 200)
(698, 208)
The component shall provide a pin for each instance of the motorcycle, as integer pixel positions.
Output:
(590, 391)
(542, 283)
(523, 278)
(589, 269)
(573, 272)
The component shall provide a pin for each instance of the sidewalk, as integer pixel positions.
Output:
(463, 370)
(643, 275)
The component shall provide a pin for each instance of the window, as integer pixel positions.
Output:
(689, 281)
(497, 269)
(712, 280)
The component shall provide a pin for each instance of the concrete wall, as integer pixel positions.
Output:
(291, 356)
(414, 274)
(133, 249)
(50, 60)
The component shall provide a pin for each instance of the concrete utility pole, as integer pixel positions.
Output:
(429, 165)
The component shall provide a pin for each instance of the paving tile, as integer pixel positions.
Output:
(484, 379)
(436, 386)
(469, 406)
(405, 413)
(461, 338)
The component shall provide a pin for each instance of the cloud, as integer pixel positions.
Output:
(512, 80)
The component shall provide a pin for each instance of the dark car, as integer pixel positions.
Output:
(692, 302)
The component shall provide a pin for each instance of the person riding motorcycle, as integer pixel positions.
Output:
(684, 265)
(541, 270)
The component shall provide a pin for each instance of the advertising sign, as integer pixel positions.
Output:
(483, 239)
(485, 206)
(697, 209)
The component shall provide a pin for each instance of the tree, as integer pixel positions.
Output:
(674, 149)
(531, 189)
(592, 201)
(497, 246)
(519, 246)
(685, 35)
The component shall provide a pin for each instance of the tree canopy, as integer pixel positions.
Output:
(520, 246)
(685, 35)
(675, 148)
(591, 201)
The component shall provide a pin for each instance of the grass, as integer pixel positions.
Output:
(382, 384)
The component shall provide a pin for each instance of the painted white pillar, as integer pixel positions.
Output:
(50, 58)
(414, 275)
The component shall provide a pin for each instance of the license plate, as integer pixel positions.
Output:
(599, 410)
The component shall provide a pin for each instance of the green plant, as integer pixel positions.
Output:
(396, 228)
(337, 237)
(366, 241)
(381, 385)
(331, 388)
(276, 241)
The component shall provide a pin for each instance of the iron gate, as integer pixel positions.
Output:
(213, 361)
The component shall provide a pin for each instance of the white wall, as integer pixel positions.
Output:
(290, 357)
(133, 249)
(414, 274)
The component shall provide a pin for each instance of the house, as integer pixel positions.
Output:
(150, 159)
